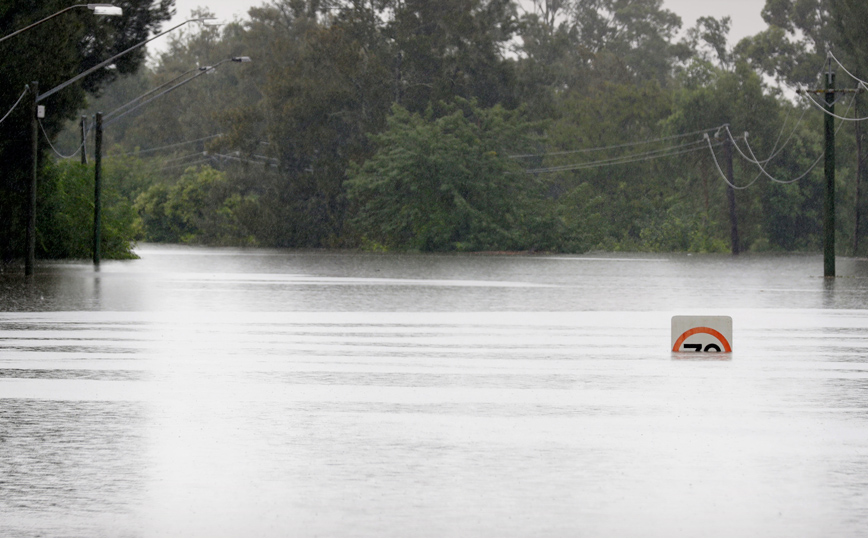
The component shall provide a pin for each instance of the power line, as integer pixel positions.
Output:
(151, 150)
(717, 165)
(854, 77)
(197, 154)
(194, 163)
(823, 109)
(62, 156)
(624, 159)
(788, 182)
(775, 150)
(619, 146)
(26, 89)
(249, 161)
(760, 165)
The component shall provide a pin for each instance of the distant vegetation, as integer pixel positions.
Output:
(466, 125)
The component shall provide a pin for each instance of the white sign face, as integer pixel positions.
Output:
(702, 334)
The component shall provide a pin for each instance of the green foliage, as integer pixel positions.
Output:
(680, 228)
(452, 48)
(447, 183)
(202, 207)
(399, 125)
(639, 33)
(52, 53)
(65, 220)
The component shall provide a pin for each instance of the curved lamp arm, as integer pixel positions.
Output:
(100, 65)
(98, 9)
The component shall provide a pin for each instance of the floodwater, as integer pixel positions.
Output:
(233, 393)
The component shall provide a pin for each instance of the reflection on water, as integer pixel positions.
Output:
(183, 278)
(208, 392)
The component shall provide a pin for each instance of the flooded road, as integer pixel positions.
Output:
(225, 393)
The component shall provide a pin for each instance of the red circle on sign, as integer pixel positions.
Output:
(706, 330)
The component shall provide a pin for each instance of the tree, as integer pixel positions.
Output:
(51, 54)
(575, 45)
(793, 48)
(328, 86)
(770, 215)
(598, 117)
(848, 17)
(65, 219)
(448, 183)
(202, 207)
(452, 48)
(639, 33)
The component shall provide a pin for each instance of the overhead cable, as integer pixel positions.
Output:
(150, 150)
(26, 89)
(623, 159)
(189, 155)
(188, 165)
(54, 149)
(760, 166)
(854, 77)
(823, 109)
(249, 161)
(763, 170)
(775, 150)
(787, 182)
(722, 174)
(619, 146)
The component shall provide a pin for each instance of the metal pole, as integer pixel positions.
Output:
(30, 235)
(84, 140)
(829, 204)
(858, 177)
(97, 187)
(730, 194)
(111, 60)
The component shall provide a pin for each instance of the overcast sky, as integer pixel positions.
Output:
(746, 19)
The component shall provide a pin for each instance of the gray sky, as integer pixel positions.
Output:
(746, 19)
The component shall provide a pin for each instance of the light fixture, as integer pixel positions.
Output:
(105, 9)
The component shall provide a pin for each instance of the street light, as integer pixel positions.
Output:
(73, 80)
(105, 9)
(205, 69)
(152, 91)
(98, 9)
(30, 240)
(98, 128)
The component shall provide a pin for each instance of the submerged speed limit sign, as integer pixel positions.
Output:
(702, 334)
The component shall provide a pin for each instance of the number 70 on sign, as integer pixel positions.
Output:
(702, 334)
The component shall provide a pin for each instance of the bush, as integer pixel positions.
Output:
(65, 215)
(203, 207)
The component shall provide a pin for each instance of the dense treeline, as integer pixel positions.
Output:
(50, 54)
(479, 125)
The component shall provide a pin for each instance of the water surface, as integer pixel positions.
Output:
(220, 392)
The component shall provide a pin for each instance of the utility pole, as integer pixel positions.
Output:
(831, 95)
(84, 139)
(858, 176)
(97, 188)
(730, 194)
(829, 205)
(30, 234)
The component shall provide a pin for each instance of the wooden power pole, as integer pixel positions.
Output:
(730, 194)
(829, 204)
